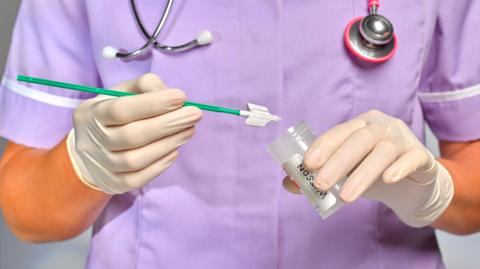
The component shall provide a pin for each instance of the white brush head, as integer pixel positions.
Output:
(204, 38)
(109, 52)
(258, 116)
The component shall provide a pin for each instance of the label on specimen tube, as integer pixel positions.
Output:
(321, 200)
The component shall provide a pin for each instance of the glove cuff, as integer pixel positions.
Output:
(440, 196)
(77, 162)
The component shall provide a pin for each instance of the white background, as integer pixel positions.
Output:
(462, 252)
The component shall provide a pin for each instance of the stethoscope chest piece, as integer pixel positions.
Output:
(371, 38)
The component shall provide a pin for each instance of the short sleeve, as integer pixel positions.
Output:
(450, 81)
(50, 40)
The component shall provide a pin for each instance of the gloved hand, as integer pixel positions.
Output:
(120, 144)
(384, 161)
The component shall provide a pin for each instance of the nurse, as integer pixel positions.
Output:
(166, 186)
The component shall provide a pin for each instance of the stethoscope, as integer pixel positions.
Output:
(370, 38)
(204, 38)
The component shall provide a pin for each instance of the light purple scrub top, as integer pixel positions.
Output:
(222, 205)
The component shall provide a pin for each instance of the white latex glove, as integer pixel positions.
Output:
(384, 161)
(120, 144)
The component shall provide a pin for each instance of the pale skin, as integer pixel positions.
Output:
(43, 199)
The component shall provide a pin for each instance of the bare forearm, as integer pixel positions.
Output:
(41, 196)
(463, 163)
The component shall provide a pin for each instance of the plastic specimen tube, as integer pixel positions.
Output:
(288, 150)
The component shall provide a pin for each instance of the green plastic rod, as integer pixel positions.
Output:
(83, 88)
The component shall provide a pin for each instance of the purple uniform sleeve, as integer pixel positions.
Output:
(50, 40)
(450, 83)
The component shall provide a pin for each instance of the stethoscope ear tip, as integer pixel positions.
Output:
(109, 52)
(204, 38)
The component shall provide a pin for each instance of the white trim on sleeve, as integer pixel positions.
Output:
(436, 97)
(40, 96)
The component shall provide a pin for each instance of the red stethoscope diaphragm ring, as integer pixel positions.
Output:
(354, 43)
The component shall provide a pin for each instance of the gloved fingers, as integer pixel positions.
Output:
(348, 155)
(369, 170)
(146, 83)
(134, 180)
(123, 110)
(417, 163)
(290, 185)
(142, 132)
(139, 158)
(374, 116)
(325, 145)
